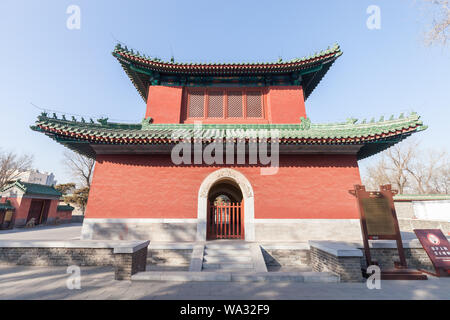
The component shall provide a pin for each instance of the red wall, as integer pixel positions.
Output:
(310, 187)
(52, 213)
(22, 206)
(164, 104)
(286, 104)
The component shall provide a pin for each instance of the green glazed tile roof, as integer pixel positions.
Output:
(375, 136)
(33, 188)
(64, 207)
(176, 67)
(142, 69)
(6, 206)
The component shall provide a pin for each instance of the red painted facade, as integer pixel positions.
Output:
(164, 104)
(282, 105)
(305, 187)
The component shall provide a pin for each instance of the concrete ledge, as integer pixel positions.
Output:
(391, 244)
(338, 249)
(285, 246)
(258, 258)
(118, 246)
(197, 258)
(171, 245)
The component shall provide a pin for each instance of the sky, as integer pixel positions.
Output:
(382, 72)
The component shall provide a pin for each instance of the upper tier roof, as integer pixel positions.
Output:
(373, 136)
(144, 71)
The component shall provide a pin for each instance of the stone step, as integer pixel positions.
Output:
(239, 246)
(180, 276)
(184, 276)
(226, 259)
(167, 268)
(320, 277)
(228, 266)
(232, 253)
(323, 277)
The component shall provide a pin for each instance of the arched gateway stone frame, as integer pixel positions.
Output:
(248, 198)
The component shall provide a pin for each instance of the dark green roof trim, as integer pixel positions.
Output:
(65, 207)
(144, 71)
(34, 189)
(6, 206)
(374, 136)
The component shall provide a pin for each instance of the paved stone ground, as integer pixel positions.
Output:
(98, 283)
(19, 282)
(69, 231)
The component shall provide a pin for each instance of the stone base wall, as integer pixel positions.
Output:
(159, 232)
(276, 258)
(125, 264)
(303, 230)
(416, 258)
(408, 225)
(348, 268)
(57, 256)
(265, 230)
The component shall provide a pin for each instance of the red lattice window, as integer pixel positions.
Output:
(254, 104)
(234, 104)
(196, 104)
(215, 104)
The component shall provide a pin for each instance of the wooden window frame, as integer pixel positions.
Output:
(225, 118)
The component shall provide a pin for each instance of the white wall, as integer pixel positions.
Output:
(432, 209)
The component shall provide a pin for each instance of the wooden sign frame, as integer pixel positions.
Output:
(376, 208)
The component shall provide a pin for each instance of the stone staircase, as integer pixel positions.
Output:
(225, 260)
(228, 257)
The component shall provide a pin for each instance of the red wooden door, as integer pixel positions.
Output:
(225, 221)
(36, 209)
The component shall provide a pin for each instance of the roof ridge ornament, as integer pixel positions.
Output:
(103, 121)
(305, 123)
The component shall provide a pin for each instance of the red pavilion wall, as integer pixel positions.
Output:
(305, 187)
(284, 105)
(164, 104)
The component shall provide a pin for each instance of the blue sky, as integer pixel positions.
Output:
(381, 72)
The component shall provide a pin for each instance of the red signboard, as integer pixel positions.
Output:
(437, 247)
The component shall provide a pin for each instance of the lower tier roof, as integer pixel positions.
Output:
(372, 137)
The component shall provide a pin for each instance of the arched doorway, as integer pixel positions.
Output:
(237, 179)
(225, 218)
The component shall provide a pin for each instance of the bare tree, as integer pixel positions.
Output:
(409, 169)
(440, 29)
(429, 172)
(392, 168)
(11, 166)
(80, 167)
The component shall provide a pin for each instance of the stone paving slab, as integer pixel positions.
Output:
(98, 283)
(69, 231)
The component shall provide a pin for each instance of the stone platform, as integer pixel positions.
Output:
(127, 257)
